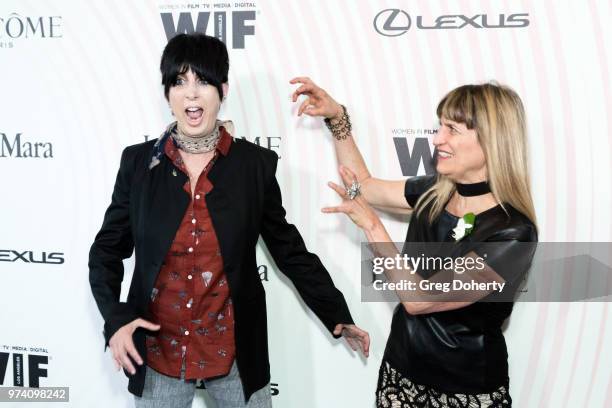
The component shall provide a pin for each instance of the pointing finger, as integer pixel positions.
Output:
(331, 210)
(145, 324)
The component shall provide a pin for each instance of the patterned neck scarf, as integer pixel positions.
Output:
(197, 144)
(171, 131)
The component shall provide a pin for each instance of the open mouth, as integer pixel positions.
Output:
(194, 115)
(444, 155)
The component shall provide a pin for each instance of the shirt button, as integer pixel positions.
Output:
(190, 249)
(189, 276)
(197, 196)
(193, 221)
(186, 332)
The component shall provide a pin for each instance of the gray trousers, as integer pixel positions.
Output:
(161, 391)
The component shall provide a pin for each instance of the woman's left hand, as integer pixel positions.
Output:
(358, 208)
(356, 338)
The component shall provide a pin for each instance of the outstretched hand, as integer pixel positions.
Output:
(318, 102)
(358, 209)
(356, 338)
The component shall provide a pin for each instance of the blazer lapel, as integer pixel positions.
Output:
(167, 203)
(218, 202)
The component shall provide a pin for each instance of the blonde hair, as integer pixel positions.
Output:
(497, 115)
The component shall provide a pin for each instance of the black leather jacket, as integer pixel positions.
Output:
(462, 350)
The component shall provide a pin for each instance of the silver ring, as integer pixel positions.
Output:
(354, 190)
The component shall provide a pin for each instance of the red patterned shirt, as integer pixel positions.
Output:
(190, 298)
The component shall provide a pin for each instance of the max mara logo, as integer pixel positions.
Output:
(17, 147)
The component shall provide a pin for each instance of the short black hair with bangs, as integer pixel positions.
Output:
(206, 56)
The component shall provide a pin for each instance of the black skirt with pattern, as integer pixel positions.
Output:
(396, 391)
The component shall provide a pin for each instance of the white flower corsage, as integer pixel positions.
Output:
(464, 226)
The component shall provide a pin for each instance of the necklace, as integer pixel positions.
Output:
(473, 189)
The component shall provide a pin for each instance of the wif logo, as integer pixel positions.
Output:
(20, 358)
(411, 159)
(187, 24)
(396, 22)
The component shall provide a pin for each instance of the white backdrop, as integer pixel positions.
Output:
(81, 78)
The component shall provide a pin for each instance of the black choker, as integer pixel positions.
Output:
(473, 189)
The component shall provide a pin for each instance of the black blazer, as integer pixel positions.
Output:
(145, 212)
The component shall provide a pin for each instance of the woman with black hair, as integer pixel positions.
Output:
(192, 205)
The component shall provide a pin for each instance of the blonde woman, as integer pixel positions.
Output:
(445, 350)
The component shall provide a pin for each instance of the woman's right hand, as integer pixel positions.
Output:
(318, 102)
(121, 344)
(357, 208)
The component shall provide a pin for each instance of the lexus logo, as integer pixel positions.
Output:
(392, 22)
(396, 22)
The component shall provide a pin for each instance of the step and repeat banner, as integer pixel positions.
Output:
(80, 81)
